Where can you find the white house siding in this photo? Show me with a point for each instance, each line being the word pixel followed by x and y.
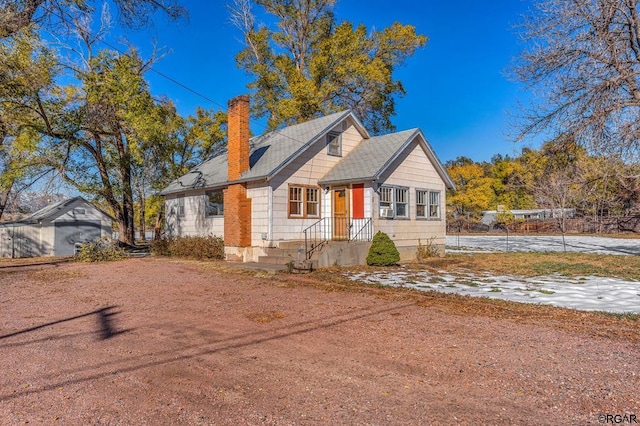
pixel 415 171
pixel 260 214
pixel 21 240
pixel 312 165
pixel 39 239
pixel 194 221
pixel 47 236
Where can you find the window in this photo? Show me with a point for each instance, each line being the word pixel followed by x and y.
pixel 313 202
pixel 334 144
pixel 386 197
pixel 304 201
pixel 396 198
pixel 402 200
pixel 180 205
pixel 434 205
pixel 421 203
pixel 215 203
pixel 79 210
pixel 428 204
pixel 295 201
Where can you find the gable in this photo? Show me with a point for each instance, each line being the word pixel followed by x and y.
pixel 373 158
pixel 54 211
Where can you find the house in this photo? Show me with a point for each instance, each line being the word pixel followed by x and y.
pixel 55 230
pixel 489 217
pixel 318 189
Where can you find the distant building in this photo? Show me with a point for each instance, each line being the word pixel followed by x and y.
pixel 489 217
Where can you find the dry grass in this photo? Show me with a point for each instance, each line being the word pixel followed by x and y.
pixel 536 264
pixel 263 317
pixel 6 262
pixel 600 324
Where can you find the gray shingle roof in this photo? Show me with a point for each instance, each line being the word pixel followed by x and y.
pixel 373 156
pixel 369 158
pixel 51 211
pixel 268 154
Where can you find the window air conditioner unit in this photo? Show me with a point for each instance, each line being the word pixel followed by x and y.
pixel 387 213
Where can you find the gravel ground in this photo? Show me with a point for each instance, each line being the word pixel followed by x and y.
pixel 151 341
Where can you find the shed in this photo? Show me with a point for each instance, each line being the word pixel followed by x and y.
pixel 56 230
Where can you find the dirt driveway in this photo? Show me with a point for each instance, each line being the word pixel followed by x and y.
pixel 152 341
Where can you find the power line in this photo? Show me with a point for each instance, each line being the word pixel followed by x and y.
pixel 165 76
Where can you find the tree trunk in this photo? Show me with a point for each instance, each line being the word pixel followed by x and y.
pixel 141 207
pixel 157 230
pixel 141 222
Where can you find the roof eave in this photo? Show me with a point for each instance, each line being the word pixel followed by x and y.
pixel 347 181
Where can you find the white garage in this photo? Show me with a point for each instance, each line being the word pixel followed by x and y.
pixel 55 230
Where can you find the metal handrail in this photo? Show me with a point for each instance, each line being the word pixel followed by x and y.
pixel 366 231
pixel 315 237
pixel 322 231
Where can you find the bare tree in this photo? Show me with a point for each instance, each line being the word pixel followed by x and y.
pixel 559 181
pixel 583 60
pixel 16 15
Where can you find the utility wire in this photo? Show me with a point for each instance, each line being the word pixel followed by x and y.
pixel 167 77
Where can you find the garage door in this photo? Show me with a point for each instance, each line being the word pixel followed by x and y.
pixel 68 234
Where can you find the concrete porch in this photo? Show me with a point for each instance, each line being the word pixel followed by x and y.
pixel 329 253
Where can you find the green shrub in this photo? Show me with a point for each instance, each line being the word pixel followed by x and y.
pixel 383 251
pixel 101 250
pixel 200 248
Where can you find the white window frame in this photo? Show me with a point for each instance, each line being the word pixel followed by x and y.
pixel 311 202
pixel 180 205
pixel 334 144
pixel 425 198
pixel 386 197
pixel 401 197
pixel 422 200
pixel 305 201
pixel 298 191
pixel 434 214
pixel 390 196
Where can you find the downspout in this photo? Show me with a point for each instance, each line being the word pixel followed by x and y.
pixel 269 214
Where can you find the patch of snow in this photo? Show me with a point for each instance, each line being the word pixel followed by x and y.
pixel 541 243
pixel 582 293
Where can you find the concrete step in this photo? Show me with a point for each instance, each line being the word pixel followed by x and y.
pixel 258 267
pixel 290 245
pixel 275 260
pixel 274 251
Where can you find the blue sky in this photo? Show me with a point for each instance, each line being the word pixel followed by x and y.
pixel 457 92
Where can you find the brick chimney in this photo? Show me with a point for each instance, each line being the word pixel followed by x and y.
pixel 238 136
pixel 237 207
